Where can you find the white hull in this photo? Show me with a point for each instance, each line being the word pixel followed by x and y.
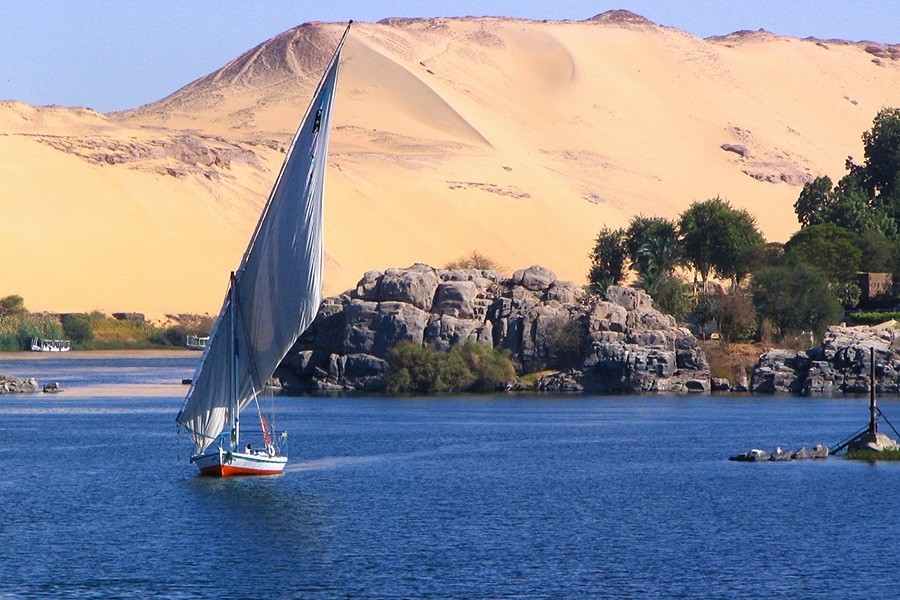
pixel 222 463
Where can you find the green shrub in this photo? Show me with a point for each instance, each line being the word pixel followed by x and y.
pixel 78 329
pixel 872 318
pixel 566 339
pixel 474 260
pixel 489 367
pixel 426 370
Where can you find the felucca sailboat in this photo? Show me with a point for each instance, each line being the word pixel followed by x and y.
pixel 272 298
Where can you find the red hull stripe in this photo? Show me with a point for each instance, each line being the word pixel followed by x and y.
pixel 230 471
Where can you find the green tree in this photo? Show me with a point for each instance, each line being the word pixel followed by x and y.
pixel 829 248
pixel 671 295
pixel 769 254
pixel 868 196
pixel 658 257
pixel 12 305
pixel 795 298
pixel 879 254
pixel 815 196
pixel 644 232
pixel 607 260
pixel 882 155
pixel 852 209
pixel 717 238
pixel 735 316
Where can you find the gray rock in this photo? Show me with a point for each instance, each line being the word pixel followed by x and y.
pixel 368 287
pixel 820 451
pixel 779 455
pixel 569 381
pixel 719 384
pixel 754 455
pixel 738 149
pixel 564 292
pixel 456 298
pixel 629 298
pixel 535 278
pixel 696 385
pixel 801 454
pixel 415 285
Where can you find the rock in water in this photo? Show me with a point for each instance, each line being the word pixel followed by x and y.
pixel 753 455
pixel 619 344
pixel 780 455
pixel 877 442
pixel 801 454
pixel 15 385
pixel 820 451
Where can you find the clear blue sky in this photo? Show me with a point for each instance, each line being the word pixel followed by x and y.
pixel 117 54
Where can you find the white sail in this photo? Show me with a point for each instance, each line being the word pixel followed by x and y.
pixel 278 287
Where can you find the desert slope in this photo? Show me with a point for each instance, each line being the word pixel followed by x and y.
pixel 517 138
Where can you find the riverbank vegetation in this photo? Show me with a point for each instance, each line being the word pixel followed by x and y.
pixel 469 367
pixel 767 291
pixel 95 330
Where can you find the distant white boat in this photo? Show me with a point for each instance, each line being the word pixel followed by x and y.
pixel 195 342
pixel 273 297
pixel 42 345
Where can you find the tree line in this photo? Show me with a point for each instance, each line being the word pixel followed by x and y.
pixel 803 285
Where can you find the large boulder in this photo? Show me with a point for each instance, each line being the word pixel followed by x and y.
pixel 456 298
pixel 415 285
pixel 535 278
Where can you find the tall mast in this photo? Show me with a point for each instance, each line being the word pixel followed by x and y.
pixel 235 409
pixel 873 409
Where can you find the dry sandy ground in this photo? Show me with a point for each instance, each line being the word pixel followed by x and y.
pixel 518 139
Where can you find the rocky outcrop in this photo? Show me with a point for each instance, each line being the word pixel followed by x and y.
pixel 778 455
pixel 840 364
pixel 15 385
pixel 621 343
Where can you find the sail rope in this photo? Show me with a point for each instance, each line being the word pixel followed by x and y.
pixel 262 422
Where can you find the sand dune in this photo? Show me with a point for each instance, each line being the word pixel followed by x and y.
pixel 520 139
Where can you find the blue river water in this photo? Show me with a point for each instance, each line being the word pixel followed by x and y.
pixel 449 497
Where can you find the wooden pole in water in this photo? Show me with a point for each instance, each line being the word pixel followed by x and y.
pixel 873 418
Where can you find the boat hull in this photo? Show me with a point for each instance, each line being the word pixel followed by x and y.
pixel 223 463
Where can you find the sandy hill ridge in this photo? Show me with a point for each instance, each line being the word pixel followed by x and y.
pixel 520 139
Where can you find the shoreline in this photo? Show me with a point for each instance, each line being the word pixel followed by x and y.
pixel 86 354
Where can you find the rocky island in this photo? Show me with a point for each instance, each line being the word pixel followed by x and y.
pixel 621 343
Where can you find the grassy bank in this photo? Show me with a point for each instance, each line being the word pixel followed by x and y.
pixel 96 330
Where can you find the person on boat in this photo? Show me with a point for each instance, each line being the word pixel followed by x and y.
pixel 249 448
